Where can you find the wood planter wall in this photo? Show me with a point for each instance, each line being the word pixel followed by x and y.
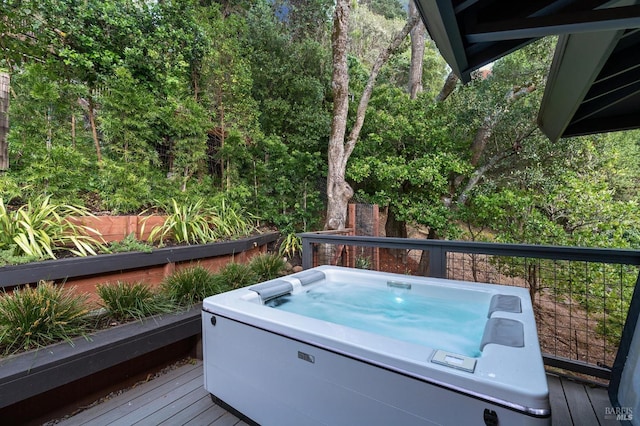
pixel 85 272
pixel 36 382
pixel 40 381
pixel 116 228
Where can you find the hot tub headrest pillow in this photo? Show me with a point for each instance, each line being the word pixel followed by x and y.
pixel 270 289
pixel 309 277
pixel 504 303
pixel 503 331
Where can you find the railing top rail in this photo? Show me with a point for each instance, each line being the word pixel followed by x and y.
pixel 598 255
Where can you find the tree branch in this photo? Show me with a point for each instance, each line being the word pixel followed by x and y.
pixel 493 161
pixel 448 87
pixel 368 89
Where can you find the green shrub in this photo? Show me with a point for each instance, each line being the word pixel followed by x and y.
pixel 124 187
pixel 230 222
pixel 196 223
pixel 290 246
pixel 131 301
pixel 267 266
pixel 33 317
pixel 129 243
pixel 40 228
pixel 190 285
pixel 363 262
pixel 9 257
pixel 188 223
pixel 235 275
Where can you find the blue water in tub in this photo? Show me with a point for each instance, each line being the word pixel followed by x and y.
pixel 450 324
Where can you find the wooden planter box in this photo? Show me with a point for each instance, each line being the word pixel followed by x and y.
pixel 37 382
pixel 116 228
pixel 85 272
pixel 25 376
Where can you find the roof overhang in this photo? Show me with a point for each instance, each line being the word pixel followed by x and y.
pixel 593 84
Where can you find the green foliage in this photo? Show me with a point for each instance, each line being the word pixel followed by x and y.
pixel 36 317
pixel 131 301
pixel 235 275
pixel 129 243
pixel 49 173
pixel 128 112
pixel 188 286
pixel 229 221
pixel 41 228
pixel 8 257
pixel 390 9
pixel 187 223
pixel 125 188
pixel 9 188
pixel 290 177
pixel 363 262
pixel 186 124
pixel 370 33
pixel 405 161
pixel 290 245
pixel 196 223
pixel 267 266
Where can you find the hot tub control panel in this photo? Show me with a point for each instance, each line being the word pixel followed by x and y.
pixel 457 361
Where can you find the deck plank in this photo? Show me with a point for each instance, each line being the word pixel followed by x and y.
pixel 600 402
pixel 227 419
pixel 582 413
pixel 560 415
pixel 191 412
pixel 160 404
pixel 179 398
pixel 128 401
pixel 207 417
pixel 158 412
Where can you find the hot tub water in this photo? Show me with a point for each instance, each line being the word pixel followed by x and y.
pixel 448 323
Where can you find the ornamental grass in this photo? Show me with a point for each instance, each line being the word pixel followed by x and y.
pixel 32 317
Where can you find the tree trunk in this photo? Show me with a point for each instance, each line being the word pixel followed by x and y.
pixel 425 260
pixel 417 52
pixel 73 129
pixel 5 82
pixel 479 172
pixel 396 228
pixel 94 130
pixel 447 88
pixel 339 192
pixel 479 143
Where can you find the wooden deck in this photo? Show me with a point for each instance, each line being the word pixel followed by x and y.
pixel 175 398
pixel 179 398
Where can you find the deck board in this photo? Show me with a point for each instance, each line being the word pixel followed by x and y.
pixel 186 415
pixel 600 402
pixel 179 398
pixel 559 408
pixel 581 413
pixel 152 391
pixel 207 417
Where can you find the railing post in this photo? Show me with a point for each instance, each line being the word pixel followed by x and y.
pixel 437 262
pixel 307 253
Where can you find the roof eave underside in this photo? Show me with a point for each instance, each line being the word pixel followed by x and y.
pixel 473 33
pixel 593 85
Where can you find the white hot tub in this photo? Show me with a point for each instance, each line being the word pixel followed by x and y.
pixel 341 346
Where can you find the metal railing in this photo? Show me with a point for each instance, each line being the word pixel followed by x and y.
pixel 581 295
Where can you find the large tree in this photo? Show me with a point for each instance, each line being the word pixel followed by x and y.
pixel 4 120
pixel 339 192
